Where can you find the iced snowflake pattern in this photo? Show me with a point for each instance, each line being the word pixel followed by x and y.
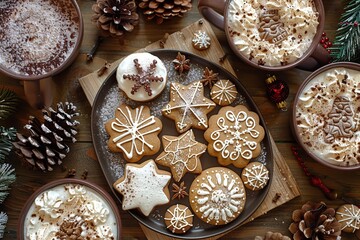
pixel 201 40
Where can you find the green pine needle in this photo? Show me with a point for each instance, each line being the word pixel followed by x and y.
pixel 346 46
pixel 3 222
pixel 8 103
pixel 7 177
pixel 6 138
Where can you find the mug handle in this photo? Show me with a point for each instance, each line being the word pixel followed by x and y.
pixel 318 58
pixel 213 11
pixel 39 92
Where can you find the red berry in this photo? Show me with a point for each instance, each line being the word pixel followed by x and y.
pixel 329 44
pixel 323 34
pixel 322 41
pixel 329 51
pixel 356 24
pixel 326 39
pixel 325 45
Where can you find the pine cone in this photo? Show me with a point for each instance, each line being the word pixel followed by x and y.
pixel 315 221
pixel 272 236
pixel 164 9
pixel 115 17
pixel 46 145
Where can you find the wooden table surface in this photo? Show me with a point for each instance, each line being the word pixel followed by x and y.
pixel 82 156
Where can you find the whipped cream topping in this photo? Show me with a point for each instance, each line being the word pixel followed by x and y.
pixel 328 117
pixel 70 209
pixel 272 33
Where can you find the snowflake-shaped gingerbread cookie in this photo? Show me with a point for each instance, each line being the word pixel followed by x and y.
pixel 134 132
pixel 234 136
pixel 201 40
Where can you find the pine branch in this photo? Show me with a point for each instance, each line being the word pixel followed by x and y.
pixel 3 222
pixel 7 177
pixel 8 103
pixel 6 138
pixel 346 46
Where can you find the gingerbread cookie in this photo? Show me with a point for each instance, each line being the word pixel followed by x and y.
pixel 201 40
pixel 178 219
pixel 143 186
pixel 188 106
pixel 223 92
pixel 348 215
pixel 142 76
pixel 134 132
pixel 255 176
pixel 234 136
pixel 217 196
pixel 181 154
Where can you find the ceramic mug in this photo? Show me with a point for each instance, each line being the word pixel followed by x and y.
pixel 263 32
pixel 39 39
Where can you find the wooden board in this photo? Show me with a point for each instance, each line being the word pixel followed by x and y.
pixel 283 183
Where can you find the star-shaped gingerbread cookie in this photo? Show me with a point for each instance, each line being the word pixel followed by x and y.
pixel 143 186
pixel 188 107
pixel 134 132
pixel 181 154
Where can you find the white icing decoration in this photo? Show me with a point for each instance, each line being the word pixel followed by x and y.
pixel 188 105
pixel 257 176
pixel 178 220
pixel 201 39
pixel 130 131
pixel 227 92
pixel 222 201
pixel 182 154
pixel 143 187
pixel 351 217
pixel 76 194
pixel 236 135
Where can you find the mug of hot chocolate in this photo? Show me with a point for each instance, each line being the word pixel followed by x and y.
pixel 271 35
pixel 326 116
pixel 38 39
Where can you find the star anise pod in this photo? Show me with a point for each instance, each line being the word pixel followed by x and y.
pixel 181 63
pixel 179 191
pixel 209 77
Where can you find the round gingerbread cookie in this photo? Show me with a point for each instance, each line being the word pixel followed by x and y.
pixel 234 136
pixel 223 92
pixel 348 215
pixel 142 76
pixel 217 196
pixel 201 40
pixel 255 176
pixel 178 219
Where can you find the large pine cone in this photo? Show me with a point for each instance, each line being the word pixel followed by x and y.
pixel 164 9
pixel 315 221
pixel 46 145
pixel 115 17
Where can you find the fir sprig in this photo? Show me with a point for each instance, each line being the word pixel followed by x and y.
pixel 3 221
pixel 8 103
pixel 346 46
pixel 6 138
pixel 7 177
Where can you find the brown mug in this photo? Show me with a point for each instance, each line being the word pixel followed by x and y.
pixel 30 51
pixel 217 12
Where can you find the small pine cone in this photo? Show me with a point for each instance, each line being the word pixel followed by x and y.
pixel 164 9
pixel 46 145
pixel 115 17
pixel 315 221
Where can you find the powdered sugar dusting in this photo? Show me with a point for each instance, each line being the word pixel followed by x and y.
pixel 36 36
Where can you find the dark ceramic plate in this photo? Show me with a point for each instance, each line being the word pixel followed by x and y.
pixel 109 98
